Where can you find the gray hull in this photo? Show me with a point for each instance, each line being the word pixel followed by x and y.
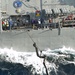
pixel 22 40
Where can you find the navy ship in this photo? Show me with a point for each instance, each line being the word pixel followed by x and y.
pixel 45 46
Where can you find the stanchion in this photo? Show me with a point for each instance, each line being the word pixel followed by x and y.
pixel 59 29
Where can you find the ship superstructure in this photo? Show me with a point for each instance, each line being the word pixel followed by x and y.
pixel 32 5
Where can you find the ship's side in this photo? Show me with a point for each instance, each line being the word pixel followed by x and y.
pixel 23 39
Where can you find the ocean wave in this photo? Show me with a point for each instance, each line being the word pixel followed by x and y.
pixel 58 61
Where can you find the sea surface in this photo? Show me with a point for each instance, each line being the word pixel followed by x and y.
pixel 58 62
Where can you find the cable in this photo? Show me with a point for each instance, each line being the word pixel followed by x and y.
pixel 30 37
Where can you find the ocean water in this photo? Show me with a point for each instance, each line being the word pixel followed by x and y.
pixel 58 62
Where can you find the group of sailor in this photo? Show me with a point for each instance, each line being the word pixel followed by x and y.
pixel 7 24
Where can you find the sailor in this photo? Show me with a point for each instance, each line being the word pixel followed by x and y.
pixel 3 25
pixel 18 22
pixel 50 23
pixel 50 20
pixel 5 22
pixel 39 23
pixel 10 23
pixel 7 25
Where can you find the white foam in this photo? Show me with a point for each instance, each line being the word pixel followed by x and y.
pixel 28 58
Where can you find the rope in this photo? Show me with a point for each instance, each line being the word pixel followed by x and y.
pixel 30 37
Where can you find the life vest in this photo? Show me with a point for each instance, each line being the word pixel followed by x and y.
pixel 3 23
pixel 7 24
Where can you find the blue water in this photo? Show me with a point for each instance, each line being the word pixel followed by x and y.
pixel 58 62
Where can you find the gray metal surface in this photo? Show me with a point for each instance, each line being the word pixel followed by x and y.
pixel 29 7
pixel 20 40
